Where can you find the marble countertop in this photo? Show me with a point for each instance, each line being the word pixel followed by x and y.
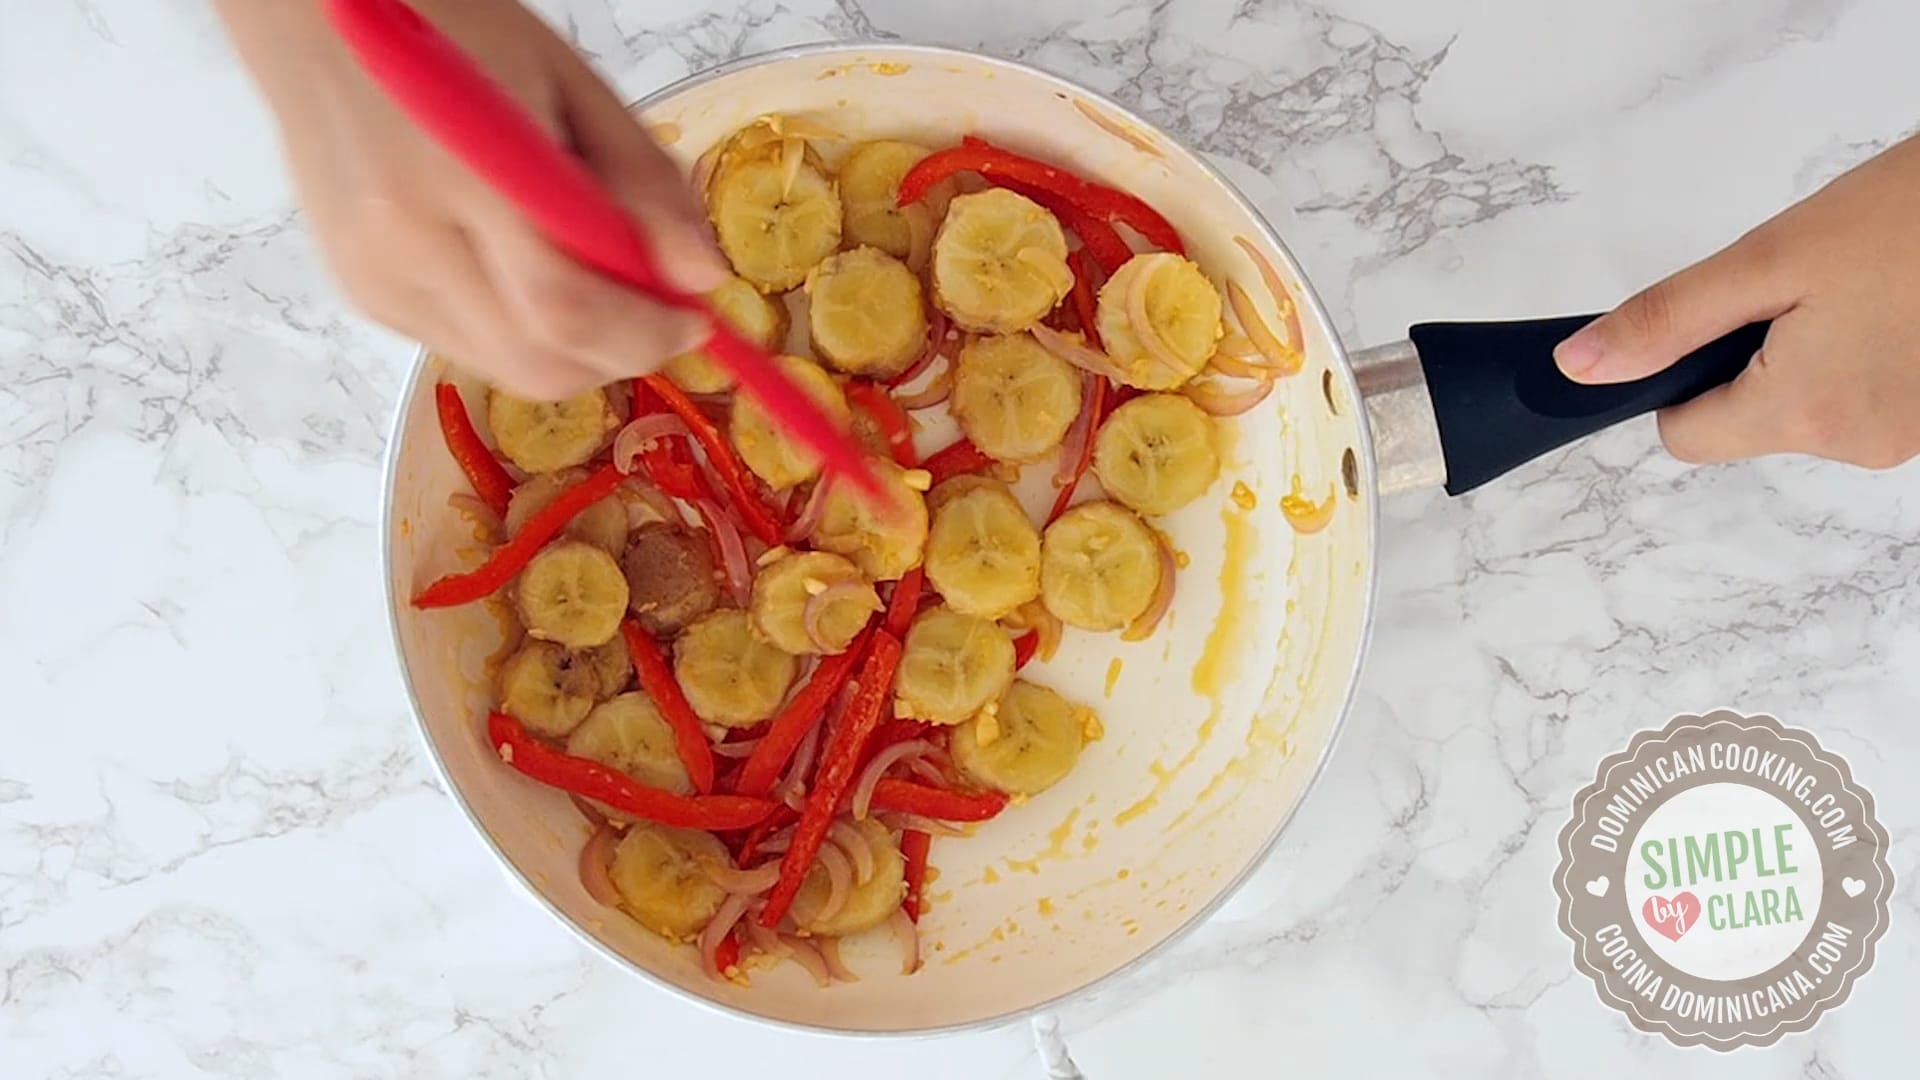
pixel 221 853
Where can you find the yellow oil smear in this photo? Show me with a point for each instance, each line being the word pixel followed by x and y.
pixel 1113 674
pixel 1219 661
pixel 998 936
pixel 1045 906
pixel 1181 560
pixel 1056 846
pixel 666 134
pixel 1121 131
pixel 1243 496
pixel 989 876
pixel 510 634
pixel 940 897
pixel 889 68
pixel 406 528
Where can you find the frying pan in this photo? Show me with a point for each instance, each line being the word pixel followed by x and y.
pixel 1215 727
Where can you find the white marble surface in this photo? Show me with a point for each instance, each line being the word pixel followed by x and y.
pixel 220 853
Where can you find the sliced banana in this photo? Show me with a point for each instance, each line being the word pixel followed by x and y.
pixel 883 541
pixel 948 490
pixel 866 905
pixel 1184 309
pixel 659 874
pixel 729 675
pixel 572 592
pixel 866 313
pixel 774 222
pixel 765 447
pixel 612 666
pixel 1156 453
pixel 999 262
pixel 1039 735
pixel 983 553
pixel 546 436
pixel 870 193
pixel 548 688
pixel 1099 566
pixel 758 318
pixel 604 524
pixel 952 666
pixel 628 733
pixel 1014 399
pixel 783 589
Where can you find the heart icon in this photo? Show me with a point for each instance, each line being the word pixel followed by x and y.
pixel 1672 917
pixel 1598 886
pixel 1853 886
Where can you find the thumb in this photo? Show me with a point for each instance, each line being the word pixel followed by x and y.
pixel 641 176
pixel 1660 324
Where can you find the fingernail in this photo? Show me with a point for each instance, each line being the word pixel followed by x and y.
pixel 1579 354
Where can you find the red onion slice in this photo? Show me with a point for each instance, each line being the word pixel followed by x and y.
pixel 1142 627
pixel 935 392
pixel 908 934
pixel 854 843
pixel 926 770
pixel 1279 356
pixel 735 880
pixel 639 495
pixel 902 822
pixel 1075 444
pixel 743 748
pixel 794 783
pixel 639 432
pixel 1216 401
pixel 1076 352
pixel 919 235
pixel 1239 368
pixel 793 154
pixel 764 939
pixel 1046 624
pixel 882 761
pixel 589 811
pixel 1141 323
pixel 733 551
pixel 596 857
pixel 777 843
pixel 816 610
pixel 717 930
pixel 830 952
pixel 803 525
pixel 802 952
pixel 839 881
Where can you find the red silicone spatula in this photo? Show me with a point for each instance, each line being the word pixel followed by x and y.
pixel 454 101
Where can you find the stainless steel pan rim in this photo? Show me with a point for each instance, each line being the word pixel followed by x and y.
pixel 1342 372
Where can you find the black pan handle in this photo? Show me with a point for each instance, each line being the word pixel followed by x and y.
pixel 1500 401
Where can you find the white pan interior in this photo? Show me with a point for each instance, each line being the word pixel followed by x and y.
pixel 1214 727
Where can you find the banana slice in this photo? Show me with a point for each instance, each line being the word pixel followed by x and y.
pixel 783 589
pixel 1039 738
pixel 546 436
pixel 729 675
pixel 1014 399
pixel 870 193
pixel 1156 453
pixel 604 524
pixel 548 688
pixel 658 873
pixel 760 319
pixel 765 448
pixel 866 313
pixel 999 262
pixel 983 553
pixel 865 906
pixel 612 666
pixel 884 542
pixel 1099 566
pixel 573 593
pixel 628 733
pixel 773 222
pixel 1184 309
pixel 952 666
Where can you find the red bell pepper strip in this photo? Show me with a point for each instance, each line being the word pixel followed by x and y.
pixel 905 601
pixel 511 557
pixel 913 848
pixel 937 803
pixel 727 955
pixel 1082 295
pixel 593 780
pixel 1001 165
pixel 489 478
pixel 805 710
pixel 756 836
pixel 956 460
pixel 836 773
pixel 889 417
pixel 745 496
pixel 1024 648
pixel 656 678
